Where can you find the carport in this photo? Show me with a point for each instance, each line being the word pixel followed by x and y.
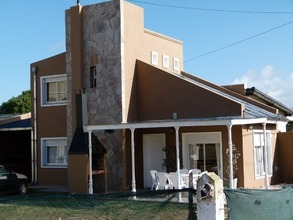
pixel 16 138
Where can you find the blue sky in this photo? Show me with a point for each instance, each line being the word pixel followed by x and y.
pixel 225 41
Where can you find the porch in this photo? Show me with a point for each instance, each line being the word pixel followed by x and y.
pixel 177 125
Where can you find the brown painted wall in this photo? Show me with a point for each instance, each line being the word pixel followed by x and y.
pixel 285 155
pixel 78 173
pixel 171 142
pixel 160 94
pixel 51 121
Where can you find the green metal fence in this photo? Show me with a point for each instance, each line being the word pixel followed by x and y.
pixel 165 204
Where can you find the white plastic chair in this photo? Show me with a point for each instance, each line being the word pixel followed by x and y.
pixel 155 184
pixel 196 174
pixel 163 180
pixel 195 171
pixel 183 171
pixel 174 179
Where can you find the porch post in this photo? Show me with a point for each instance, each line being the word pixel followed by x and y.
pixel 265 156
pixel 230 145
pixel 90 164
pixel 133 160
pixel 177 156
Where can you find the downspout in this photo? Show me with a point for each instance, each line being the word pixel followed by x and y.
pixel 34 151
pixel 265 156
pixel 230 145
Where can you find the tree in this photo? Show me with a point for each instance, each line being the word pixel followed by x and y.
pixel 17 105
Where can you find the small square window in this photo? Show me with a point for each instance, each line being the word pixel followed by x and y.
pixel 154 58
pixel 176 64
pixel 93 76
pixel 165 61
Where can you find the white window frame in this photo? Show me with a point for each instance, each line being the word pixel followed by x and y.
pixel 165 61
pixel 56 142
pixel 258 141
pixel 175 64
pixel 44 94
pixel 202 138
pixel 154 58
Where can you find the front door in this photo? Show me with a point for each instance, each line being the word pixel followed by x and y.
pixel 153 156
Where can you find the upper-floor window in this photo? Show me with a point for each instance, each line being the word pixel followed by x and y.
pixel 176 64
pixel 53 90
pixel 165 61
pixel 154 58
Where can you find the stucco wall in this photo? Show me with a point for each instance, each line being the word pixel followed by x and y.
pixel 51 121
pixel 285 154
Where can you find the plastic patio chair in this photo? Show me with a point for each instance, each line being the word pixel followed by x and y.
pixel 183 171
pixel 174 179
pixel 163 180
pixel 196 173
pixel 155 184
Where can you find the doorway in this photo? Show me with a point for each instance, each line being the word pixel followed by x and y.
pixel 153 156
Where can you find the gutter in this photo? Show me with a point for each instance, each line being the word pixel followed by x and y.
pixel 272 101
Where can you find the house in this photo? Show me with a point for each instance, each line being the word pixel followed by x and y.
pixel 117 103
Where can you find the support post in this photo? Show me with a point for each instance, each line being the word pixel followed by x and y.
pixel 265 156
pixel 177 156
pixel 133 160
pixel 91 191
pixel 230 145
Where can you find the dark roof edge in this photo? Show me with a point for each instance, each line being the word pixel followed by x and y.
pixel 274 102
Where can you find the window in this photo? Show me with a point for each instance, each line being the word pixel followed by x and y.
pixel 154 58
pixel 259 154
pixel 176 64
pixel 165 61
pixel 54 90
pixel 202 151
pixel 93 76
pixel 54 152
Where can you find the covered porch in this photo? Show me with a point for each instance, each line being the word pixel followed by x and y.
pixel 176 124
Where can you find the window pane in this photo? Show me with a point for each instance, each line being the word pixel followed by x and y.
pixel 56 155
pixel 193 156
pixel 62 91
pixel 52 92
pixel 56 91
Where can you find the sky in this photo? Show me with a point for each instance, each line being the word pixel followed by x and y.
pixel 224 41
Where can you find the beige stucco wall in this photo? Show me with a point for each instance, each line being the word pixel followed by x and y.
pixel 137 44
pixel 250 180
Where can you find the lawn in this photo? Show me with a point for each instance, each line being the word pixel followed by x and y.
pixel 151 205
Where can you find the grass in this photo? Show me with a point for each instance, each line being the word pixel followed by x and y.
pixel 44 205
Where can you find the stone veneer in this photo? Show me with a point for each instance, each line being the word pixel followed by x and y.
pixel 102 48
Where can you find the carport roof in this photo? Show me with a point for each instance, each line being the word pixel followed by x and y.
pixel 15 122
